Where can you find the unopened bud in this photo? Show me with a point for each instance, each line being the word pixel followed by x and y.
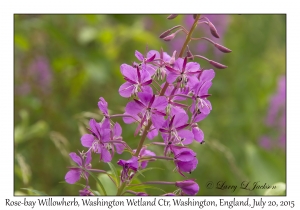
pixel 164 34
pixel 170 37
pixel 213 30
pixel 167 32
pixel 217 65
pixel 170 17
pixel 222 48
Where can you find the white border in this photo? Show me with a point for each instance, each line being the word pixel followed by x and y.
pixel 8 8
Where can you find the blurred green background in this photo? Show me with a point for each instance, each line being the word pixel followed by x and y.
pixel 64 63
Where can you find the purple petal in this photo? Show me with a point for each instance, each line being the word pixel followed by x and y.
pixel 171 77
pixel 117 130
pixel 76 158
pixel 151 58
pixel 95 127
pixel 153 52
pixel 133 163
pixel 144 164
pixel 139 55
pixel 160 103
pixel 145 97
pixel 129 120
pixel 157 120
pixel 149 68
pixel 204 88
pixel 172 70
pixel 175 110
pixel 192 67
pixel 148 82
pixel 187 135
pixel 180 119
pixel 73 176
pixel 184 154
pixel 207 75
pixel 126 89
pixel 192 81
pixel 129 72
pixel 105 124
pixel 178 64
pixel 148 153
pixel 119 147
pixel 199 117
pixel 188 166
pixel 134 107
pixel 152 134
pixel 198 134
pixel 145 76
pixel 105 135
pixel 102 104
pixel 87 140
pixel 105 155
pixel 189 187
pixel 88 158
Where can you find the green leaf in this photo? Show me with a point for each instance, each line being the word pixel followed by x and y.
pixel 276 189
pixel 108 184
pixel 140 172
pixel 81 185
pixel 34 191
pixel 97 180
pixel 115 173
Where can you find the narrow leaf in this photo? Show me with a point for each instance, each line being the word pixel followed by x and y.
pixel 115 173
pixel 34 191
pixel 97 180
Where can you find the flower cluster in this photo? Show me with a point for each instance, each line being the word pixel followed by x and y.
pixel 168 95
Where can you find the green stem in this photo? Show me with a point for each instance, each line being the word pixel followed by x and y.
pixel 189 36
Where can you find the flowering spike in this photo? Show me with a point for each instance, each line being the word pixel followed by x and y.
pixel 217 65
pixel 170 17
pixel 222 48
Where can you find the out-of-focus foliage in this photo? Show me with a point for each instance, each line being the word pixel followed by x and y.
pixel 64 63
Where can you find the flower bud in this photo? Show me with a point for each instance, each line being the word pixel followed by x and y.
pixel 170 37
pixel 170 17
pixel 213 30
pixel 222 48
pixel 164 34
pixel 217 65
